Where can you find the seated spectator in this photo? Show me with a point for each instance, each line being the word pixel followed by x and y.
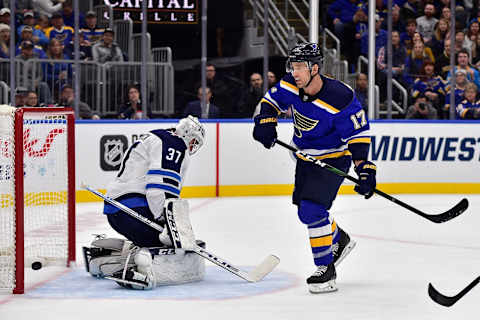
pixel 399 56
pixel 32 100
pixel 252 96
pixel 132 109
pixel 442 63
pixel 421 109
pixel 460 43
pixel 221 93
pixel 272 79
pixel 27 35
pixel 439 35
pixel 69 16
pixel 341 12
pixel 4 41
pixel 414 63
pixel 462 63
pixel 194 108
pixel 5 16
pixel 470 107
pixel 31 72
pixel 426 23
pixel 38 36
pixel 47 7
pixel 406 38
pixel 446 13
pixel 430 85
pixel 107 50
pixel 61 32
pixel 56 73
pixel 397 22
pixel 460 86
pixel 43 24
pixel 20 96
pixel 471 38
pixel 361 90
pixel 67 99
pixel 92 34
pixel 380 38
pixel 417 37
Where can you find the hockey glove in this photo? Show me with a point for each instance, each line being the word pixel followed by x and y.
pixel 264 130
pixel 366 176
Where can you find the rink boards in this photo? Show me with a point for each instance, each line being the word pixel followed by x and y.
pixel 411 156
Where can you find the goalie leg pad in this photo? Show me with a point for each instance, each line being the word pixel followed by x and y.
pixel 106 256
pixel 179 225
pixel 178 266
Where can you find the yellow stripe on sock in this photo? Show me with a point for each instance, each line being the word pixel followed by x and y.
pixel 322 241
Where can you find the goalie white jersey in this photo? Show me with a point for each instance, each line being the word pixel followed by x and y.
pixel 154 167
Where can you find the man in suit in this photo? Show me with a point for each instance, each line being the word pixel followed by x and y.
pixel 194 108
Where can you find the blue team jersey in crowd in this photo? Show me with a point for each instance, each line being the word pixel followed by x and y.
pixel 466 109
pixel 329 124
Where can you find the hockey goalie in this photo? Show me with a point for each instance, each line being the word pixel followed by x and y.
pixel 149 182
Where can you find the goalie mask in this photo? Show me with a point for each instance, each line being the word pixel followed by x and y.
pixel 309 52
pixel 192 132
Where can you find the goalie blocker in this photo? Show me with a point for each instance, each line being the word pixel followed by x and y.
pixel 144 268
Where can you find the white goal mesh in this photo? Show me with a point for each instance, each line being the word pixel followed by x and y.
pixel 42 193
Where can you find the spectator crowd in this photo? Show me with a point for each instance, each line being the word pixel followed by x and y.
pixel 420 51
pixel 420 56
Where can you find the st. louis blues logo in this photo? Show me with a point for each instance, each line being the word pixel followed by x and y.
pixel 302 123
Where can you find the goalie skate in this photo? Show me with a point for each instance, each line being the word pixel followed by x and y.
pixel 132 280
pixel 323 279
pixel 342 248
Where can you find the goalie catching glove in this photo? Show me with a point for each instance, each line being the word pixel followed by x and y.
pixel 367 178
pixel 264 130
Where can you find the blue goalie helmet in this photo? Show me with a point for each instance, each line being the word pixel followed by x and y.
pixel 308 52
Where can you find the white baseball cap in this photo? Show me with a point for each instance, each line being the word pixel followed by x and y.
pixel 4 11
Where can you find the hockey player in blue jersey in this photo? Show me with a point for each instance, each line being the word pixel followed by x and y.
pixel 152 172
pixel 330 125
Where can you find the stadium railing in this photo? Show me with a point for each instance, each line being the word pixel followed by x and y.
pixel 102 86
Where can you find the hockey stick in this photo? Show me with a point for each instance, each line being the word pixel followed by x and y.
pixel 457 210
pixel 450 301
pixel 257 274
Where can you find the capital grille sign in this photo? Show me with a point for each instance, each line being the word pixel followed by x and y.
pixel 158 11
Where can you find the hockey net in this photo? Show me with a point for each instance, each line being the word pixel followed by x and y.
pixel 37 191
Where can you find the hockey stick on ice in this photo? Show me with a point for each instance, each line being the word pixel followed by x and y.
pixel 257 274
pixel 457 210
pixel 450 301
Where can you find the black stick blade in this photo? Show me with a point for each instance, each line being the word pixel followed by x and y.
pixel 440 298
pixel 450 214
pixel 449 301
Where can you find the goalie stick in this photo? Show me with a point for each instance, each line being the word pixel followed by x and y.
pixel 449 301
pixel 457 210
pixel 257 274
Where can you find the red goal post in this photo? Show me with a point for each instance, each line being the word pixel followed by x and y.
pixel 37 191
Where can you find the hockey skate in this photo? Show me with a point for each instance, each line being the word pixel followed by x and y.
pixel 131 279
pixel 323 279
pixel 342 248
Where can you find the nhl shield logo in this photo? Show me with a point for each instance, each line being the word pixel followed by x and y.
pixel 112 149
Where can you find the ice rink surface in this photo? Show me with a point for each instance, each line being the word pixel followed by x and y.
pixel 386 276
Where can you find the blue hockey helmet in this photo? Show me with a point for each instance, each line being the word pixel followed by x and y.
pixel 308 52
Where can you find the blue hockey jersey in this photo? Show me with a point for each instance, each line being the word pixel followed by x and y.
pixel 330 124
